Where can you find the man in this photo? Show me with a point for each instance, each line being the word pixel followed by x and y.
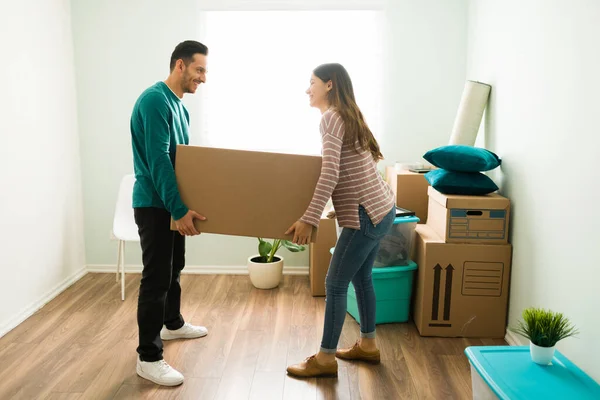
pixel 159 122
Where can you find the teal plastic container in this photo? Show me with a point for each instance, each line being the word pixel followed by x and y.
pixel 508 373
pixel 393 291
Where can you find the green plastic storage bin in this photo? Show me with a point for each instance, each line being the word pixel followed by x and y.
pixel 393 291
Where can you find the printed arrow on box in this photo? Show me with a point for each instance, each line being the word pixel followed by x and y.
pixel 448 292
pixel 436 292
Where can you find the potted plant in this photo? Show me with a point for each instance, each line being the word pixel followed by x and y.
pixel 266 268
pixel 544 329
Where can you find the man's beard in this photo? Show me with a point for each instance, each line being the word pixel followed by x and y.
pixel 187 82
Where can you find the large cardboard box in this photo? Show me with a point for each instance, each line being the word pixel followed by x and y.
pixel 461 289
pixel 246 193
pixel 410 189
pixel 320 255
pixel 469 219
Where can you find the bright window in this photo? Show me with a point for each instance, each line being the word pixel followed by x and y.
pixel 260 64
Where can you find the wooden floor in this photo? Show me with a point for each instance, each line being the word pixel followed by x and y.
pixel 82 346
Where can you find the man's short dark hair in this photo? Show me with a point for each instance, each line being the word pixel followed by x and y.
pixel 186 50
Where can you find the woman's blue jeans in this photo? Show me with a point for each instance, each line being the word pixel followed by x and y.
pixel 353 260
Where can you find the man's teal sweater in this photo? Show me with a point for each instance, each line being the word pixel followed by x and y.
pixel 159 122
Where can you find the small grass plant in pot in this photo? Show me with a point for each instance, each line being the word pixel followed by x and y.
pixel 266 268
pixel 543 328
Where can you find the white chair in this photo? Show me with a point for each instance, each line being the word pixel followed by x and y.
pixel 124 226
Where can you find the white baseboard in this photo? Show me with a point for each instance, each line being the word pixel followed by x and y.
pixel 195 269
pixel 44 299
pixel 512 339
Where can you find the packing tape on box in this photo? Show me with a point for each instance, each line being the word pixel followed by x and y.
pixel 470 112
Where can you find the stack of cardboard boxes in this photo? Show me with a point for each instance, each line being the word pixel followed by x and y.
pixel 463 256
pixel 464 262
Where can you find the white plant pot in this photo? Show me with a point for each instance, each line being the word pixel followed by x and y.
pixel 265 275
pixel 541 355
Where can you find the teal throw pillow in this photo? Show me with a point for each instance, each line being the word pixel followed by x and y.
pixel 465 183
pixel 463 158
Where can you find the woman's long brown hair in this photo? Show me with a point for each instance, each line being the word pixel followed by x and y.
pixel 341 98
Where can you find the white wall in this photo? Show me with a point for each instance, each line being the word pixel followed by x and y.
pixel 123 47
pixel 41 240
pixel 542 59
pixel 425 75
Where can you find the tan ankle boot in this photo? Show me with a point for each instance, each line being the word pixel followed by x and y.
pixel 356 353
pixel 310 368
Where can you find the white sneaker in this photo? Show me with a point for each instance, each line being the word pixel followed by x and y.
pixel 159 372
pixel 187 331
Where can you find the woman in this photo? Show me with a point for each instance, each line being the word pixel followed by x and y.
pixel 365 209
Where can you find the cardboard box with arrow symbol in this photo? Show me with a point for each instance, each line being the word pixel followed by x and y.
pixel 461 289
